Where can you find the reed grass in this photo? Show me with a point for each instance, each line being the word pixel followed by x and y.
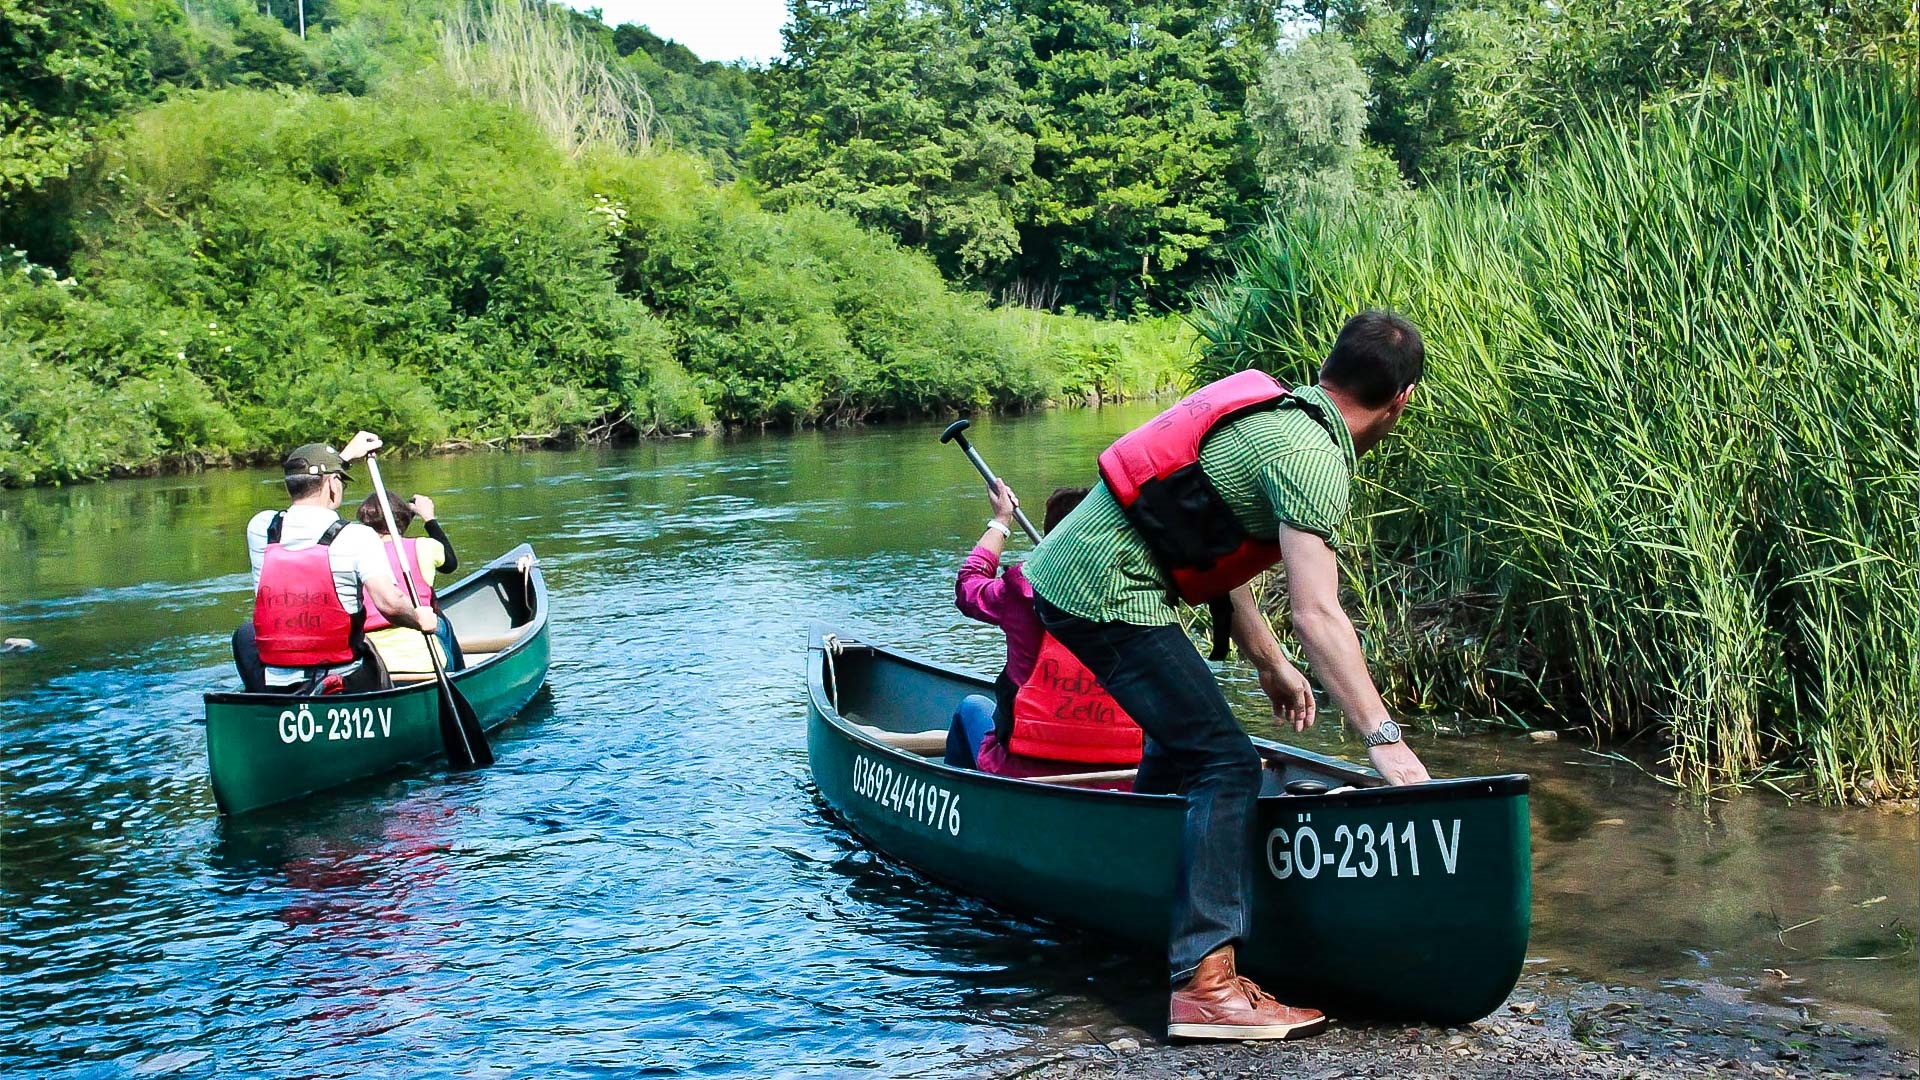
pixel 1664 468
pixel 526 53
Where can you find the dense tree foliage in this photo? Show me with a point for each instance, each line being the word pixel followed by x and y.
pixel 1160 130
pixel 448 255
pixel 1069 151
pixel 65 67
pixel 907 116
pixel 1477 86
pixel 704 105
pixel 1135 160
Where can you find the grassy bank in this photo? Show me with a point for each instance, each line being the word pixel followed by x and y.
pixel 251 267
pixel 1664 467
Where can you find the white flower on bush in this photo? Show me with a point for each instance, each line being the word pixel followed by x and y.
pixel 610 213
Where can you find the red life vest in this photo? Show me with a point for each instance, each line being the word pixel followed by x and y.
pixel 298 620
pixel 1154 472
pixel 1062 713
pixel 377 621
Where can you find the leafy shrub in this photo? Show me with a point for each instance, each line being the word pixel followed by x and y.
pixel 254 269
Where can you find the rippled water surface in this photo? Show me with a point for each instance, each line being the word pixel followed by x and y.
pixel 644 883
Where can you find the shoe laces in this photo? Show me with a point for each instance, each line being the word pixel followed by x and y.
pixel 1255 995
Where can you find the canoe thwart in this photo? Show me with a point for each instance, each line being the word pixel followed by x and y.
pixel 490 643
pixel 924 743
pixel 1110 776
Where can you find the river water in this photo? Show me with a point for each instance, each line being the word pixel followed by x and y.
pixel 645 883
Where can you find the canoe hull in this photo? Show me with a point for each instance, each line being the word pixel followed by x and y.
pixel 264 749
pixel 1390 903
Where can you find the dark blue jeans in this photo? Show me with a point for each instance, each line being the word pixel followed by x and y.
pixel 971 723
pixel 1194 745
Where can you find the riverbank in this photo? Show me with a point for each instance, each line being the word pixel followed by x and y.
pixel 1551 1027
pixel 245 267
pixel 616 433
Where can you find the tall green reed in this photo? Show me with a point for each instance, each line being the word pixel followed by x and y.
pixel 1664 468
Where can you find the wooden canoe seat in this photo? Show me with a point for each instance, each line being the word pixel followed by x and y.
pixel 1111 776
pixel 924 743
pixel 402 678
pixel 488 643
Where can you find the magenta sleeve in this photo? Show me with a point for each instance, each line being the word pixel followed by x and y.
pixel 979 592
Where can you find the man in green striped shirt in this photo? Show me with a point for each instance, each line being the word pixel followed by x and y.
pixel 1107 593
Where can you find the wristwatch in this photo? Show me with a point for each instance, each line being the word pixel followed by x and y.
pixel 1387 732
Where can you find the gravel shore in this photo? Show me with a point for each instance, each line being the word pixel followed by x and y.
pixel 1550 1028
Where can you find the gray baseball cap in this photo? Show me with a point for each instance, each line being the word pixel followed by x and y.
pixel 316 459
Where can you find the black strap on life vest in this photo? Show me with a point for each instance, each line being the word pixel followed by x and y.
pixel 279 519
pixel 1222 612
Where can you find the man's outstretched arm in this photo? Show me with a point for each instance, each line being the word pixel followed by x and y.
pixel 1291 694
pixel 1327 637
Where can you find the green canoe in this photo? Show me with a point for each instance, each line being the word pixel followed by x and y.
pixel 1406 903
pixel 268 748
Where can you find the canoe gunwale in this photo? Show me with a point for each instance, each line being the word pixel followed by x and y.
pixel 1500 786
pixel 529 631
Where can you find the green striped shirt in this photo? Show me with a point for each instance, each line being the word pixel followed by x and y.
pixel 1272 467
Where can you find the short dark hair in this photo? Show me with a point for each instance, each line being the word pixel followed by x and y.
pixel 1060 504
pixel 1377 355
pixel 301 485
pixel 370 516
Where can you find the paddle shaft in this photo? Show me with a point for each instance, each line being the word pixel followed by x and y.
pixel 413 597
pixel 993 482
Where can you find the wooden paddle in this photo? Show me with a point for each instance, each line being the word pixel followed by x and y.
pixel 957 431
pixel 460 728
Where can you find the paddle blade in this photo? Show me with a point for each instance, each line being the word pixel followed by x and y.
pixel 460 729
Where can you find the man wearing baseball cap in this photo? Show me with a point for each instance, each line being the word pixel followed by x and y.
pixel 309 571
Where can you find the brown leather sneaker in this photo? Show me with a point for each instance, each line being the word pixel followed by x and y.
pixel 1218 1004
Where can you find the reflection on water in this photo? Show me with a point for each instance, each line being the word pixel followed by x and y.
pixel 645 883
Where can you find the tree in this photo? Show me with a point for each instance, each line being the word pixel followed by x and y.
pixel 1309 118
pixel 1420 57
pixel 1137 137
pixel 705 106
pixel 1475 87
pixel 906 115
pixel 65 67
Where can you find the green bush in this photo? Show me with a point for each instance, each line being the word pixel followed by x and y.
pixel 254 268
pixel 1664 461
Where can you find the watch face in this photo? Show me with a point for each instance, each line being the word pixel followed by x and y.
pixel 1387 732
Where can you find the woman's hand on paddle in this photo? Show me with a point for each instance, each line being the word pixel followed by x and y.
pixel 1005 502
pixel 422 507
pixel 1398 764
pixel 1291 694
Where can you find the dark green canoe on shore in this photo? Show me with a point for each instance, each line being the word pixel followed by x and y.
pixel 264 749
pixel 1408 903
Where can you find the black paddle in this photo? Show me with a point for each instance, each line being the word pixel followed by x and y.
pixel 957 431
pixel 459 727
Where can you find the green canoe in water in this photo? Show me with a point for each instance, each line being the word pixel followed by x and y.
pixel 1406 903
pixel 264 749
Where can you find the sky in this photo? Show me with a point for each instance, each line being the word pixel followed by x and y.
pixel 713 29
